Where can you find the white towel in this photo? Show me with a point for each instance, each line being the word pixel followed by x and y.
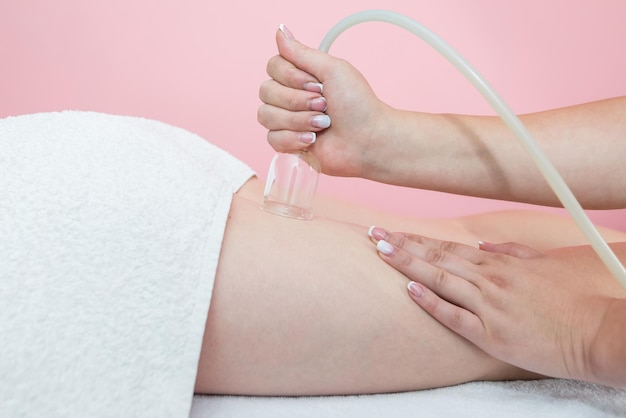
pixel 550 398
pixel 110 232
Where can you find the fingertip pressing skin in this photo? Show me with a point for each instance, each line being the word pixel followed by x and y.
pixel 321 121
pixel 307 138
pixel 314 87
pixel 384 247
pixel 318 104
pixel 415 290
pixel 377 233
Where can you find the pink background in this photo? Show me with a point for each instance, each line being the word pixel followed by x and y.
pixel 198 65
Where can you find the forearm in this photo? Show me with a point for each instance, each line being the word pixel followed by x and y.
pixel 480 156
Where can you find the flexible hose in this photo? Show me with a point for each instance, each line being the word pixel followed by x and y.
pixel 552 176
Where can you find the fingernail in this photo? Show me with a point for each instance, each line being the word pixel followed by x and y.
pixel 384 247
pixel 318 104
pixel 415 289
pixel 285 31
pixel 377 233
pixel 308 137
pixel 314 87
pixel 321 121
pixel 484 244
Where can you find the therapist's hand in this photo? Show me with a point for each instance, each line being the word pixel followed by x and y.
pixel 539 311
pixel 311 92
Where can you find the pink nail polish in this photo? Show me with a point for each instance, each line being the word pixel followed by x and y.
pixel 286 31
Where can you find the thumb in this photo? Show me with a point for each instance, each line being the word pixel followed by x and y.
pixel 510 248
pixel 310 60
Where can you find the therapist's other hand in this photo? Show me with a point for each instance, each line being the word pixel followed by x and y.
pixel 320 102
pixel 538 311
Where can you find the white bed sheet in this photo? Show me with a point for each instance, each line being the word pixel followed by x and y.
pixel 539 398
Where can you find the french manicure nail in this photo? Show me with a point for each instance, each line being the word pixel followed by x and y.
pixel 377 233
pixel 308 137
pixel 285 31
pixel 318 104
pixel 415 289
pixel 314 87
pixel 384 247
pixel 321 121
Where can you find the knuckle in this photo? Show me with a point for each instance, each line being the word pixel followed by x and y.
pixel 293 102
pixel 435 256
pixel 294 78
pixel 397 239
pixel 272 64
pixel 263 116
pixel 264 89
pixel 496 279
pixel 259 115
pixel 294 121
pixel 456 321
pixel 343 65
pixel 277 140
pixel 440 279
pixel 448 246
pixel 403 260
pixel 418 239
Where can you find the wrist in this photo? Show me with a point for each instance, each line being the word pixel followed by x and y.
pixel 606 361
pixel 395 148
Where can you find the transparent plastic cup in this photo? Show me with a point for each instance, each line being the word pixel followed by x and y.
pixel 291 184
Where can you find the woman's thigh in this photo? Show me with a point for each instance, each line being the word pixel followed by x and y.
pixel 306 308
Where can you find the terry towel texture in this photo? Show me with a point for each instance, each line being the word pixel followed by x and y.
pixel 110 233
pixel 549 398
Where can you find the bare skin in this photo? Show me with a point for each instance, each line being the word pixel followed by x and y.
pixel 543 308
pixel 555 312
pixel 461 154
pixel 307 308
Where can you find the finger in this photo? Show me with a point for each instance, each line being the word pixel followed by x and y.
pixel 510 248
pixel 287 74
pixel 434 250
pixel 457 319
pixel 311 60
pixel 273 93
pixel 285 141
pixel 457 258
pixel 276 119
pixel 377 233
pixel 440 280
